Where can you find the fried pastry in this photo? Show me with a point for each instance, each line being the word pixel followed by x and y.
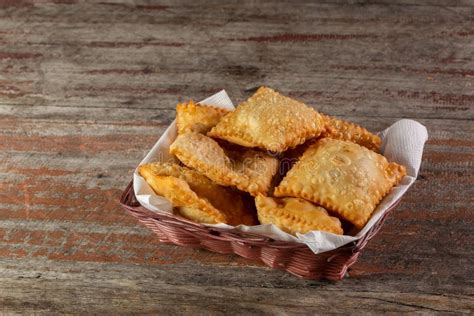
pixel 294 215
pixel 256 169
pixel 343 177
pixel 270 121
pixel 343 130
pixel 194 196
pixel 193 117
pixel 248 170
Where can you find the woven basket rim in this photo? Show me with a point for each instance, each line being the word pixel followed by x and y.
pixel 129 202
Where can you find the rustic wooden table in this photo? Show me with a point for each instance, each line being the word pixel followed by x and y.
pixel 86 90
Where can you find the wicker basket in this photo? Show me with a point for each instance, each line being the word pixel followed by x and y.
pixel 292 257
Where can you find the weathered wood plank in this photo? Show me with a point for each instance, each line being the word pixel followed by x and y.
pixel 49 286
pixel 82 66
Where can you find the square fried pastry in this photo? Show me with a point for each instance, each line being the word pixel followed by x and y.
pixel 343 177
pixel 343 130
pixel 294 215
pixel 194 196
pixel 249 170
pixel 270 121
pixel 194 117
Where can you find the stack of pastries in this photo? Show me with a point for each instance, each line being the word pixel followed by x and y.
pixel 273 160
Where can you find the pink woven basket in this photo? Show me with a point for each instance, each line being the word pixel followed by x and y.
pixel 292 257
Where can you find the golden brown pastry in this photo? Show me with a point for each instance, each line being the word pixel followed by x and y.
pixel 270 121
pixel 256 169
pixel 195 196
pixel 294 215
pixel 193 117
pixel 343 130
pixel 343 177
pixel 249 170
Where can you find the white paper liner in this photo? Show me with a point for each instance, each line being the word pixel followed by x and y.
pixel 402 142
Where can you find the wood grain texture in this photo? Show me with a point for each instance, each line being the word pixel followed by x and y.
pixel 86 89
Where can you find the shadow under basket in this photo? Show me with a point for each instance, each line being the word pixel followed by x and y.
pixel 292 257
